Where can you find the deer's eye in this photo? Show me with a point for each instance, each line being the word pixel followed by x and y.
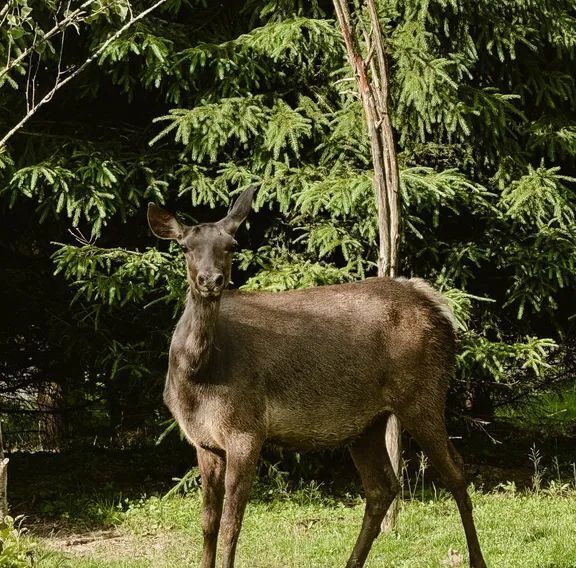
pixel 232 246
pixel 183 247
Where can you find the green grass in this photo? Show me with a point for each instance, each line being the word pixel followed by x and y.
pixel 516 531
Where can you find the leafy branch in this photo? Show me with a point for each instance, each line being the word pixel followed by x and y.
pixel 73 18
pixel 60 82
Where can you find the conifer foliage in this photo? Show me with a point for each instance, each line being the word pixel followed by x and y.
pixel 194 103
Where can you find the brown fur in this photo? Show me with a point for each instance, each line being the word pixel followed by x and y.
pixel 312 368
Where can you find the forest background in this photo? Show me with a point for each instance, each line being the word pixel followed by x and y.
pixel 195 102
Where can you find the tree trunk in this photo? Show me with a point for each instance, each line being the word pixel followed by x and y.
pixel 51 421
pixel 3 480
pixel 371 72
pixel 394 447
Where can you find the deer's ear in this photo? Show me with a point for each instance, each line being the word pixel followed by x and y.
pixel 239 211
pixel 163 224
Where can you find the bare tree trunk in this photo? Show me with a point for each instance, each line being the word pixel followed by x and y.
pixel 3 480
pixel 51 421
pixel 371 72
pixel 394 447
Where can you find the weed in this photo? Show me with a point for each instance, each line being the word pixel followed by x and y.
pixel 509 487
pixel 538 473
pixel 409 487
pixel 17 550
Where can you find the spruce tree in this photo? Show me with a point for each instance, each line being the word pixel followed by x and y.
pixel 193 104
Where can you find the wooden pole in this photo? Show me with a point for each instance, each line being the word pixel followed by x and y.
pixel 372 75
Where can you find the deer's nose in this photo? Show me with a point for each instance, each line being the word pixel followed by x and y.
pixel 210 281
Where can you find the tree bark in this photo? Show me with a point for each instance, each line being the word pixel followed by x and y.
pixel 373 83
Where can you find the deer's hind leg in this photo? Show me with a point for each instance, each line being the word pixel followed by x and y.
pixel 430 433
pixel 380 486
pixel 212 469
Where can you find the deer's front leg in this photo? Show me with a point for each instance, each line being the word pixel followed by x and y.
pixel 212 468
pixel 241 461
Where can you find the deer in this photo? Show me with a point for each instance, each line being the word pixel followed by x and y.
pixel 307 369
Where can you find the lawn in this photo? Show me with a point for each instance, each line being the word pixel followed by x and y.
pixel 83 508
pixel 517 530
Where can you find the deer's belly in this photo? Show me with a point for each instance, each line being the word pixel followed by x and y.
pixel 324 428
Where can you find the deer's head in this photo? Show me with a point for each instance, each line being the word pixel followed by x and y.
pixel 207 247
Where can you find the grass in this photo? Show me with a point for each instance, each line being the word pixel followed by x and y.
pixel 301 524
pixel 517 530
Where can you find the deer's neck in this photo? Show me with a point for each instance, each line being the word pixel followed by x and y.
pixel 196 333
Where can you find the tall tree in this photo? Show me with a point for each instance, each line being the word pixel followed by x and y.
pixel 371 71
